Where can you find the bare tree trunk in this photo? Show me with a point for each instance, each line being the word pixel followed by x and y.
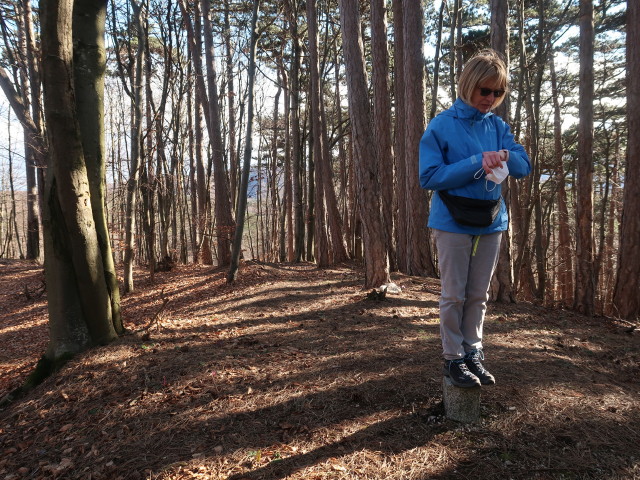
pixel 136 138
pixel 500 43
pixel 242 198
pixel 453 57
pixel 605 202
pixel 420 261
pixel 261 211
pixel 540 237
pixel 33 158
pixel 585 281
pixel 382 121
pixel 296 147
pixel 148 174
pixel 90 60
pixel 521 216
pixel 610 253
pixel 12 223
pixel 565 257
pixel 400 133
pixel 192 116
pixel 320 224
pixel 366 159
pixel 311 196
pixel 222 206
pixel 202 179
pixel 337 242
pixel 343 168
pixel 436 63
pixel 286 240
pixel 626 300
pixel 276 214
pixel 79 304
pixel 231 103
pixel 199 193
pixel 223 218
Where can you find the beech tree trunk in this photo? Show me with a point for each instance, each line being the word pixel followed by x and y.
pixel 79 304
pixel 33 158
pixel 89 64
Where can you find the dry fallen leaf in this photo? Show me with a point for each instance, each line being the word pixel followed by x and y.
pixel 335 464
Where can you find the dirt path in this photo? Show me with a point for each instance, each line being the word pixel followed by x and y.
pixel 293 373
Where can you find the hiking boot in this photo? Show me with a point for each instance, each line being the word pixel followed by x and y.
pixel 459 374
pixel 472 360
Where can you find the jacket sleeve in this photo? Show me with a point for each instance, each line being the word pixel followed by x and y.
pixel 519 164
pixel 437 172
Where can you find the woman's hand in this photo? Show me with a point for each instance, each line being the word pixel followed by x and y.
pixel 491 160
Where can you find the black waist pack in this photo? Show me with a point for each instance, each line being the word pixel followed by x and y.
pixel 471 212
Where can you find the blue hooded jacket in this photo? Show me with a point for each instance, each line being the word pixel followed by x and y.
pixel 451 154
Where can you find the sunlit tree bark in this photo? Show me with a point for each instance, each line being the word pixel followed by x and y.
pixel 224 222
pixel 365 156
pixel 626 299
pixel 244 183
pixel 585 278
pixel 34 159
pixel 565 257
pixel 382 121
pixel 419 257
pixel 80 312
pixel 500 43
pixel 400 132
pixel 296 144
pixel 136 145
pixel 320 214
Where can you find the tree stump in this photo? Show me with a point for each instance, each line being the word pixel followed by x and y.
pixel 460 404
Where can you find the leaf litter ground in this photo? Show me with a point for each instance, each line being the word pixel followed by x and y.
pixel 293 373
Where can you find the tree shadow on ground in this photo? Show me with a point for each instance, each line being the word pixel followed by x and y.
pixel 324 384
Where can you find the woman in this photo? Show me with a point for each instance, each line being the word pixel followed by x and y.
pixel 463 155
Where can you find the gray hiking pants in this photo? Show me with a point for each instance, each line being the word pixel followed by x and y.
pixel 466 266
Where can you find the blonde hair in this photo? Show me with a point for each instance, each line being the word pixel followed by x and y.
pixel 486 65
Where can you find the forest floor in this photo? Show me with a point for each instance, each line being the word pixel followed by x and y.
pixel 292 372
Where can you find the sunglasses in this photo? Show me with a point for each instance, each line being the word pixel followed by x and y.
pixel 485 92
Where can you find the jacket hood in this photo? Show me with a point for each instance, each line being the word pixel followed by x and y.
pixel 461 109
